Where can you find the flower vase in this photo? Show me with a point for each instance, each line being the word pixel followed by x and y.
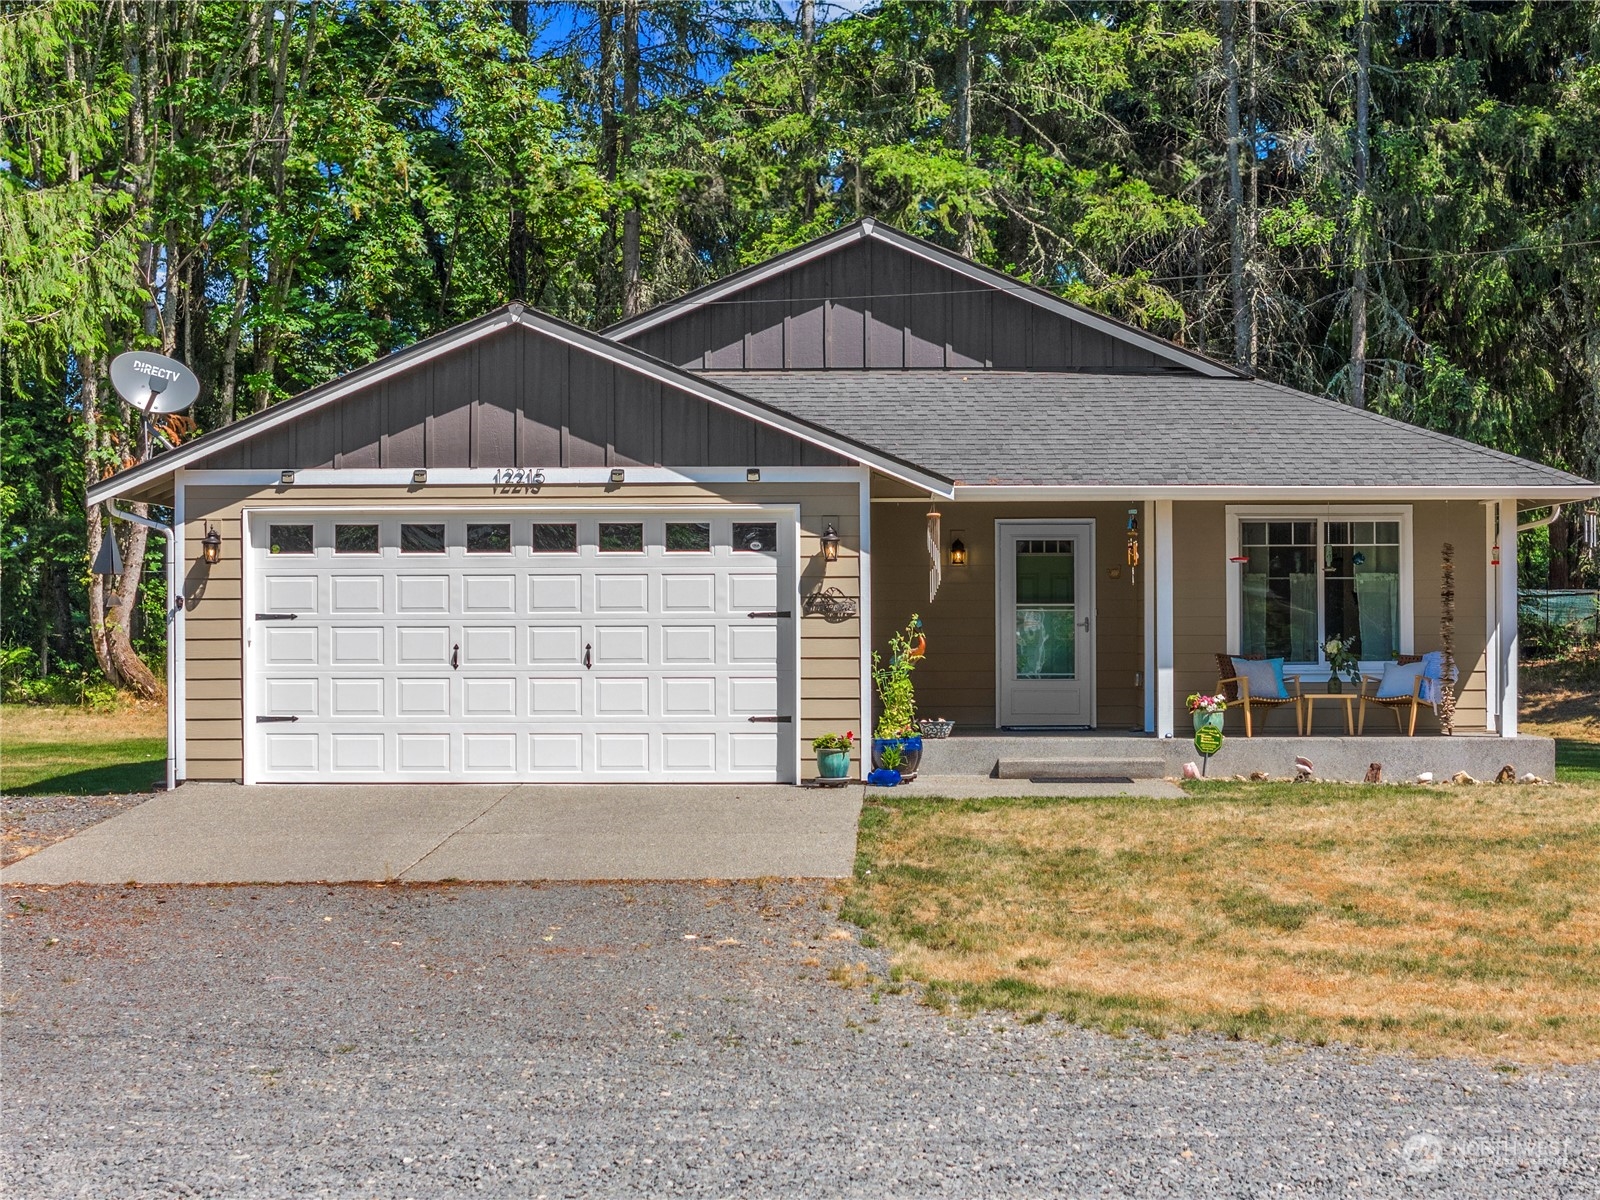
pixel 1213 719
pixel 1335 685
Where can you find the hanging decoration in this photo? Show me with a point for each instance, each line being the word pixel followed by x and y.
pixel 1133 546
pixel 1447 638
pixel 935 555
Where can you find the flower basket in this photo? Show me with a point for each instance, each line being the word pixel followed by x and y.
pixel 936 727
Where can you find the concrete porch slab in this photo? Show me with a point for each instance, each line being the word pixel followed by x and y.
pixel 980 787
pixel 225 833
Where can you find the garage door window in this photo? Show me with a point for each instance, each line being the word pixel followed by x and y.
pixel 755 537
pixel 621 538
pixel 689 538
pixel 422 539
pixel 355 539
pixel 555 539
pixel 290 539
pixel 488 539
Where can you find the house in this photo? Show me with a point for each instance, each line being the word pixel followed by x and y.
pixel 521 550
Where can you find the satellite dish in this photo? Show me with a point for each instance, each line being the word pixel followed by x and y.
pixel 154 383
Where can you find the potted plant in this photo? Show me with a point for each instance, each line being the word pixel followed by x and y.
pixel 833 755
pixel 1207 710
pixel 888 772
pixel 1342 660
pixel 897 701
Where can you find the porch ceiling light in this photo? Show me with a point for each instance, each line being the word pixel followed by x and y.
pixel 286 478
pixel 211 545
pixel 753 475
pixel 419 477
pixel 830 543
pixel 618 475
pixel 958 553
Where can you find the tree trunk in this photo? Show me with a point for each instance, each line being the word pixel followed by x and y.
pixel 608 286
pixel 632 288
pixel 808 100
pixel 1358 240
pixel 963 114
pixel 1252 126
pixel 1560 541
pixel 1236 218
pixel 279 270
pixel 517 220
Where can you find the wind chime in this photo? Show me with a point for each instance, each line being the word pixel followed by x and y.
pixel 935 554
pixel 1133 546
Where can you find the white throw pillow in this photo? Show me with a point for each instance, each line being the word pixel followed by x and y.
pixel 1399 680
pixel 1265 676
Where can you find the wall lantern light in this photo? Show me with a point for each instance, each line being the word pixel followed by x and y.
pixel 830 544
pixel 617 475
pixel 958 553
pixel 211 545
pixel 753 475
pixel 419 477
pixel 286 478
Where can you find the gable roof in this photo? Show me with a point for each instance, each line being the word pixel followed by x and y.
pixel 986 279
pixel 1031 429
pixel 192 454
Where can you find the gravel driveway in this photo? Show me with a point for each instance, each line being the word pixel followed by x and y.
pixel 607 1040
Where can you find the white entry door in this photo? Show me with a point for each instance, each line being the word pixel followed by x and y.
pixel 1046 615
pixel 538 646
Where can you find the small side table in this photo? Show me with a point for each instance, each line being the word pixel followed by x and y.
pixel 1355 714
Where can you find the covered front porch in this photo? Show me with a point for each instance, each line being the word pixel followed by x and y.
pixel 1154 589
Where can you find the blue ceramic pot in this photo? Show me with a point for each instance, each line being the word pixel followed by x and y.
pixel 883 778
pixel 910 754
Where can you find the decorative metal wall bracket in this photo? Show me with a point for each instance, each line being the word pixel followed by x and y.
pixel 829 603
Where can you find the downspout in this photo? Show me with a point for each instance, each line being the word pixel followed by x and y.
pixel 174 605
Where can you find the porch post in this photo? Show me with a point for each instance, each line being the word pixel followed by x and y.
pixel 1509 647
pixel 1162 568
pixel 1491 609
pixel 1149 677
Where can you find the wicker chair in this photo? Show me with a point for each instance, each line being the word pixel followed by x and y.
pixel 1235 691
pixel 1401 706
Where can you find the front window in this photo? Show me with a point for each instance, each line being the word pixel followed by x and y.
pixel 1306 581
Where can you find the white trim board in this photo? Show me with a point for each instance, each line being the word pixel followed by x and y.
pixel 1235 513
pixel 511 480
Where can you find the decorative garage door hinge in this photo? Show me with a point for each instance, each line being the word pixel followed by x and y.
pixel 772 720
pixel 756 616
pixel 277 616
pixel 271 720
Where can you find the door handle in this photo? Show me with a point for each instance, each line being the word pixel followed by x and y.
pixel 455 657
pixel 588 657
pixel 1086 624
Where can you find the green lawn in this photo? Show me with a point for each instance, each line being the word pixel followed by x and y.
pixel 1577 761
pixel 53 750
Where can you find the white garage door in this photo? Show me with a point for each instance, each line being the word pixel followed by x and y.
pixel 534 646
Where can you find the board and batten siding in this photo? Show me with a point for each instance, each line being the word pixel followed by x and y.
pixel 873 306
pixel 1200 608
pixel 519 398
pixel 957 679
pixel 830 653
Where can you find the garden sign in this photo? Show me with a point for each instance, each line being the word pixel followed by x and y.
pixel 1207 740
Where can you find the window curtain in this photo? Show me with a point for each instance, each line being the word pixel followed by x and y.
pixel 1303 618
pixel 1254 639
pixel 1378 598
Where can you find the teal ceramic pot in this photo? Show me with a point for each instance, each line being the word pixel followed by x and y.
pixel 833 764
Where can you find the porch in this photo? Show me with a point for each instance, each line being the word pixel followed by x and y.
pixel 1100 755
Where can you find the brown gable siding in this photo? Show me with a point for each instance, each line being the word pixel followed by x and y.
pixel 519 399
pixel 873 305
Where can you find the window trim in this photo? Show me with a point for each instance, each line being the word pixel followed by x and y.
pixel 1236 514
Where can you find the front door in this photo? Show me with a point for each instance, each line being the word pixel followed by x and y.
pixel 1046 613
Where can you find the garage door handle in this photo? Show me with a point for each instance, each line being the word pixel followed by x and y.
pixel 276 616
pixel 756 616
pixel 588 657
pixel 771 720
pixel 273 720
pixel 455 657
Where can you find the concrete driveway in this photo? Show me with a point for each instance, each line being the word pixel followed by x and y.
pixel 224 833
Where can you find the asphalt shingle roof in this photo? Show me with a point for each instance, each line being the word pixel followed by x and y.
pixel 1013 428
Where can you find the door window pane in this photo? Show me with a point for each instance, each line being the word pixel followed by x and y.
pixel 1046 608
pixel 422 539
pixel 1361 586
pixel 688 537
pixel 1279 589
pixel 355 539
pixel 621 537
pixel 488 539
pixel 759 537
pixel 555 539
pixel 289 539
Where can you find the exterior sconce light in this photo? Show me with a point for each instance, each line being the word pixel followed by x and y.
pixel 753 475
pixel 830 544
pixel 286 478
pixel 419 477
pixel 618 475
pixel 958 553
pixel 211 545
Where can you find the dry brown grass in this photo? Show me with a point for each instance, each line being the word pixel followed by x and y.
pixel 1437 920
pixel 1561 698
pixel 21 723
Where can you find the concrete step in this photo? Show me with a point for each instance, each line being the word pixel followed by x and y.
pixel 1122 767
